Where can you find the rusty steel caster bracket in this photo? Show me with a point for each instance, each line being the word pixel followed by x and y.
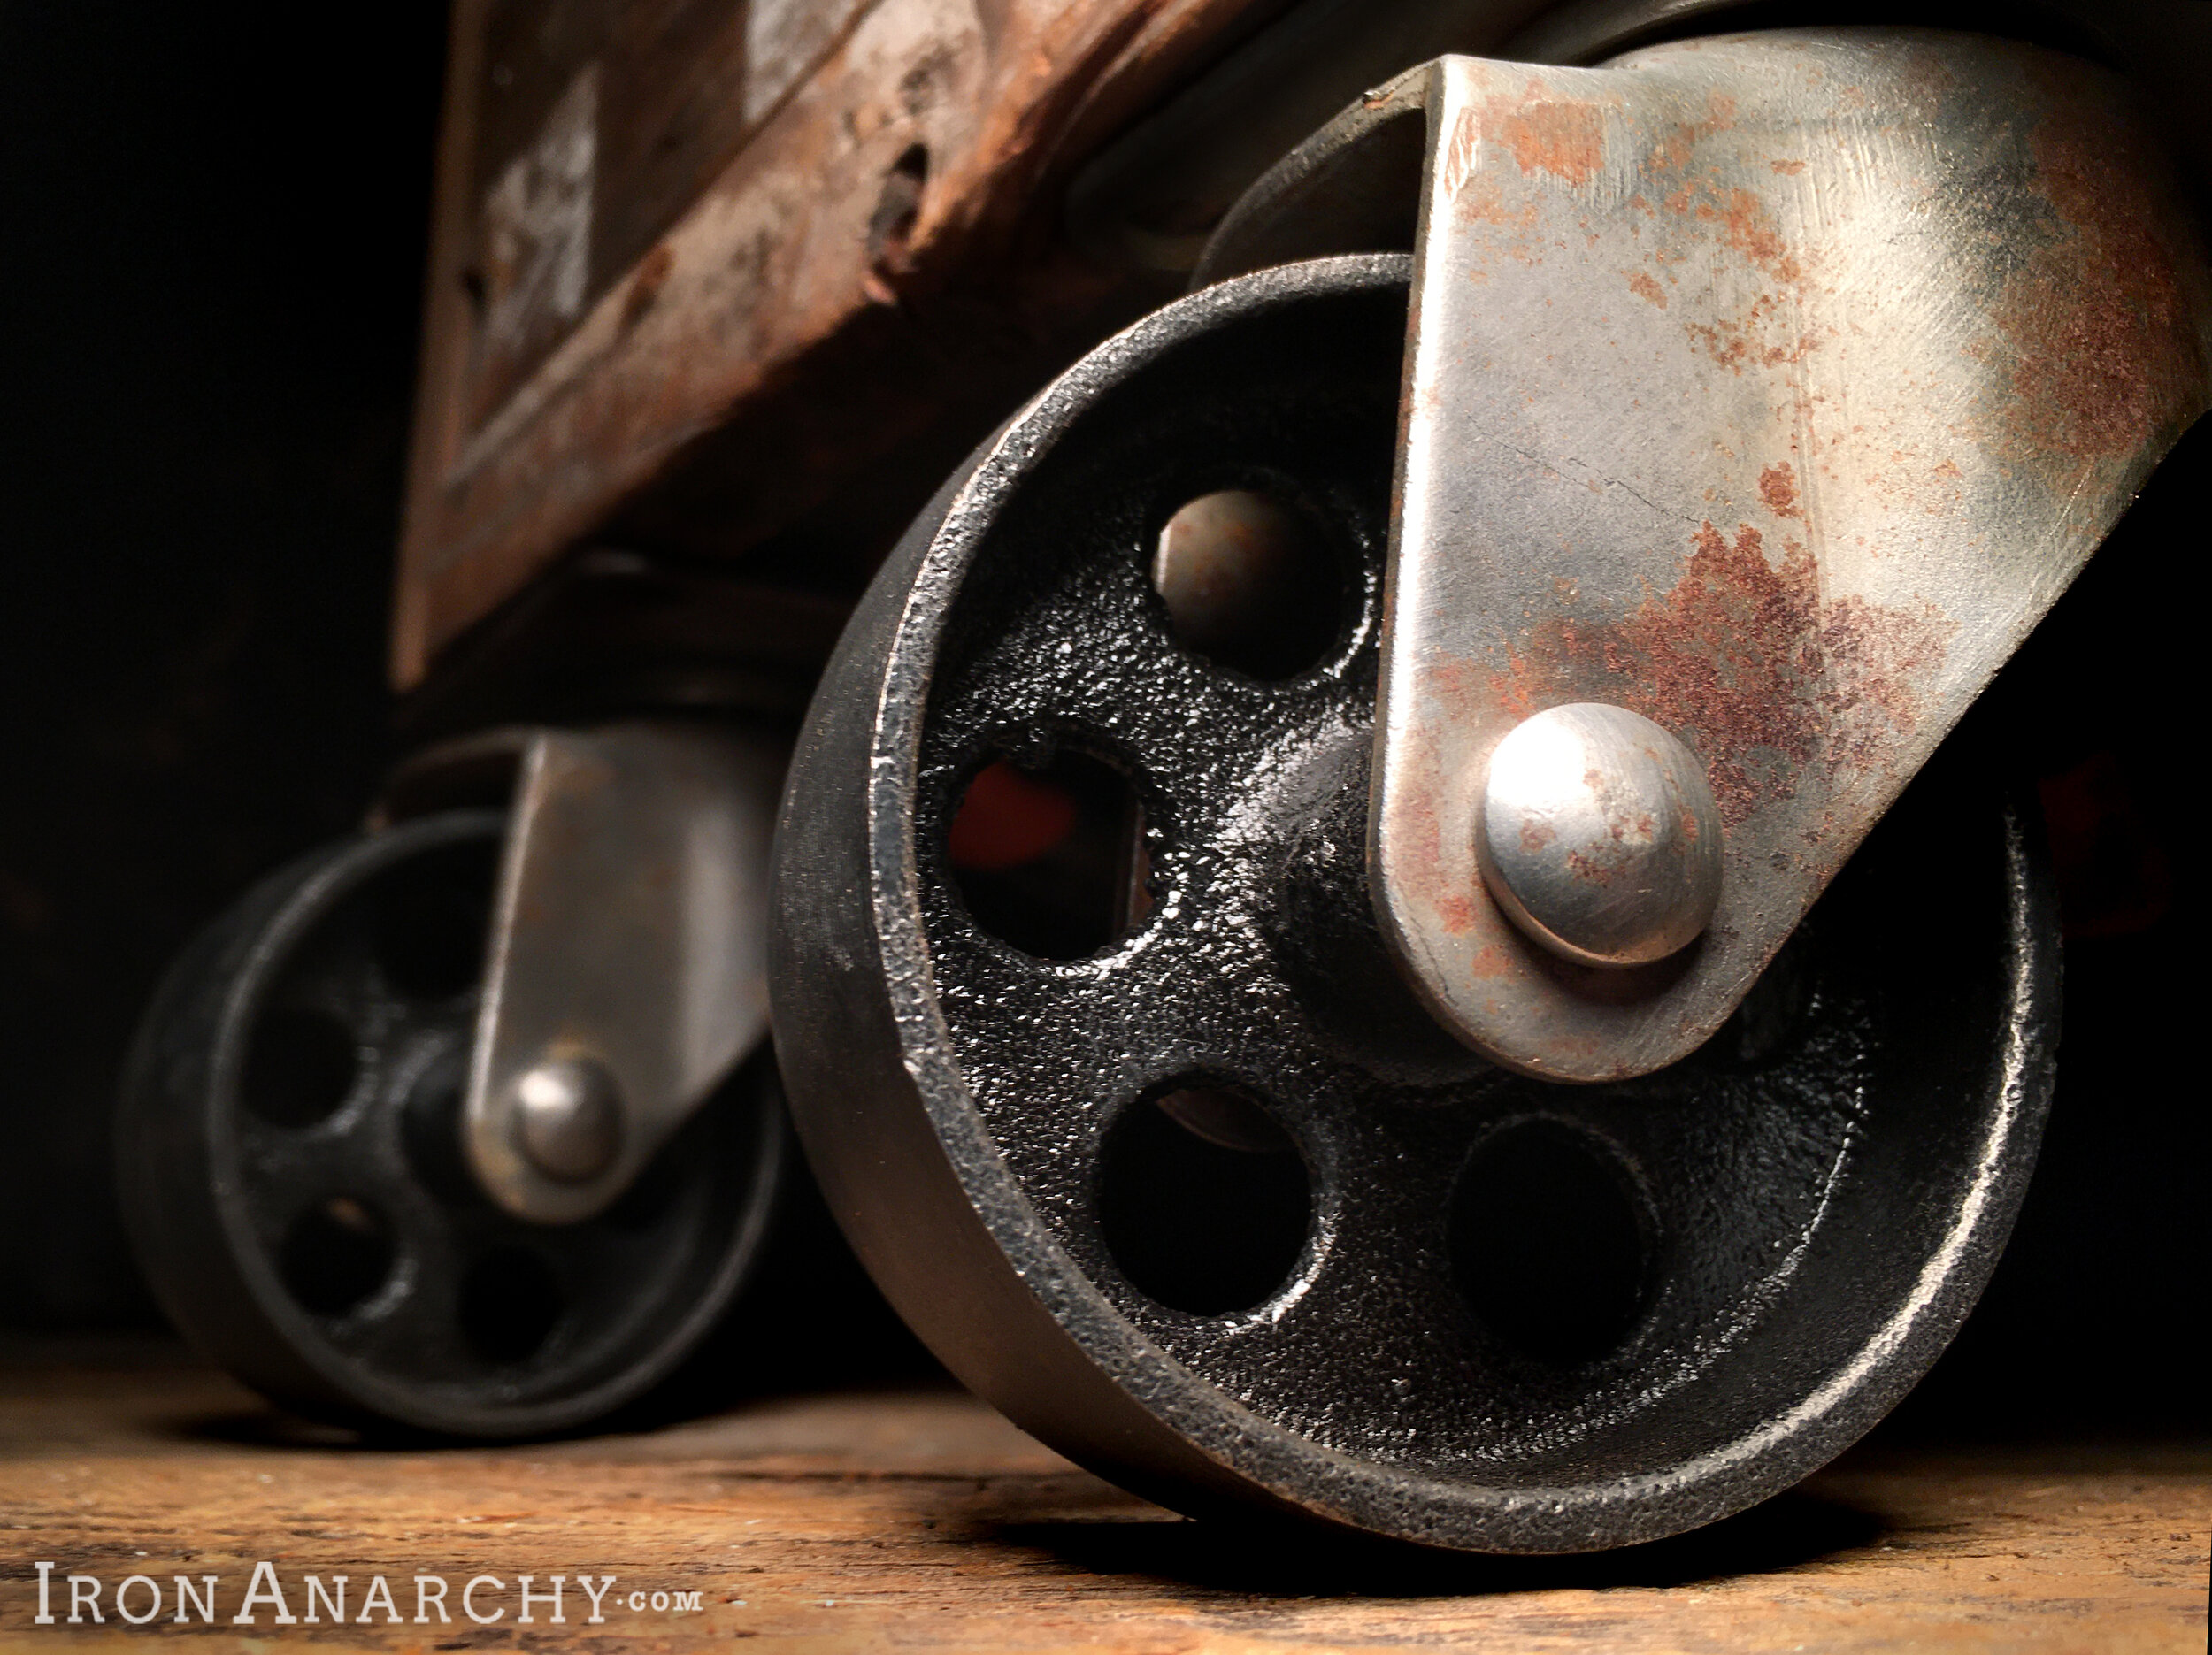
pixel 1762 392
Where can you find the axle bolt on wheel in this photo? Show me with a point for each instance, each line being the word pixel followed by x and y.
pixel 1599 835
pixel 569 1117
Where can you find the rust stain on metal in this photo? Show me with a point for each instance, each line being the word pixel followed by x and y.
pixel 1561 138
pixel 1743 220
pixel 1722 341
pixel 1778 486
pixel 1482 201
pixel 1749 229
pixel 2108 355
pixel 1745 658
pixel 1677 149
pixel 1753 338
pixel 1422 835
pixel 1643 286
pixel 1493 961
pixel 1592 871
pixel 1744 223
pixel 1455 912
pixel 1546 133
pixel 1726 654
pixel 1734 344
pixel 1461 157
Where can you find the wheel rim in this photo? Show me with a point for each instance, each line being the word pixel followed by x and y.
pixel 1777 1236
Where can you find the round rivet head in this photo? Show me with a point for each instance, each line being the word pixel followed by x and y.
pixel 568 1116
pixel 1599 836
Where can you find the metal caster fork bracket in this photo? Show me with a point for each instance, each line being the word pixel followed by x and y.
pixel 1762 392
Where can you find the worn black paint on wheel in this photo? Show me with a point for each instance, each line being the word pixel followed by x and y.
pixel 1451 1305
pixel 292 1170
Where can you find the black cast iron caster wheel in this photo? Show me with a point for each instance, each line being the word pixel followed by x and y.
pixel 292 1168
pixel 1095 1046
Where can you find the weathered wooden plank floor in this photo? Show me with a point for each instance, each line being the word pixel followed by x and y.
pixel 918 1520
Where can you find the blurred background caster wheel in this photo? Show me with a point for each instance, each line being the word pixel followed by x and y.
pixel 293 1169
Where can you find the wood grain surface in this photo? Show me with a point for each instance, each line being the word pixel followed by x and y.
pixel 832 269
pixel 918 1520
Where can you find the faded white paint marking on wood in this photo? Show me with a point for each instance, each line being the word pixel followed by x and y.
pixel 537 222
pixel 784 39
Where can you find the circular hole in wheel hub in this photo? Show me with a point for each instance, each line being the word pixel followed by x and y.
pixel 300 1064
pixel 1547 1242
pixel 1204 1199
pixel 335 1255
pixel 1249 583
pixel 1050 858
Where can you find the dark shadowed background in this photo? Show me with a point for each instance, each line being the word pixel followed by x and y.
pixel 214 233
